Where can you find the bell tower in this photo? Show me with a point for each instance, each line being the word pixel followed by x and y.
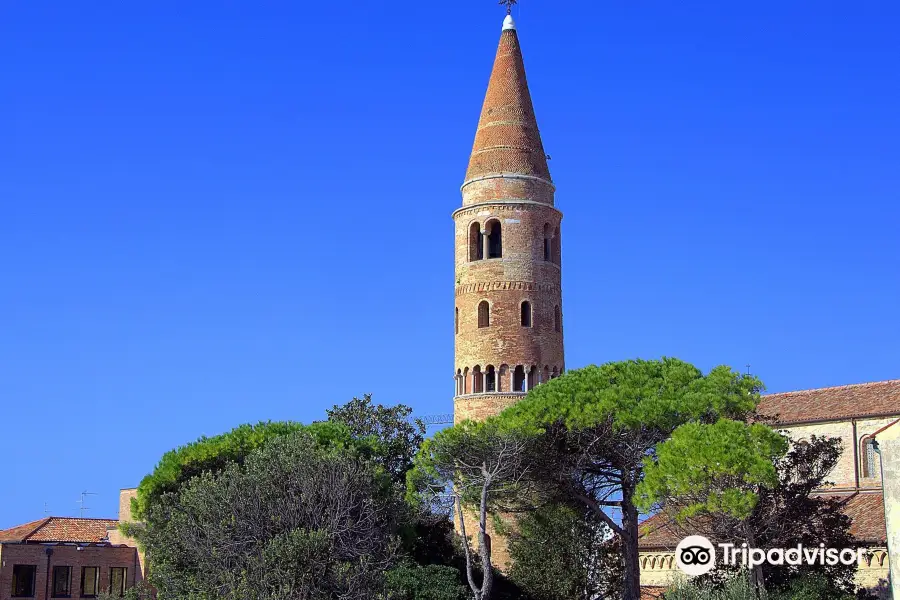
pixel 509 320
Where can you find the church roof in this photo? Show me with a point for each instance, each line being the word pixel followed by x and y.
pixel 59 529
pixel 508 140
pixel 879 398
pixel 866 511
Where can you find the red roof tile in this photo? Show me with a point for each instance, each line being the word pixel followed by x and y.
pixel 59 529
pixel 21 532
pixel 834 403
pixel 866 510
pixel 659 532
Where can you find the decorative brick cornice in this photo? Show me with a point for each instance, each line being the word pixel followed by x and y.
pixel 496 286
pixel 503 206
pixel 492 396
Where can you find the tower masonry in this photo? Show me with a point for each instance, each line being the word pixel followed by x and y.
pixel 508 321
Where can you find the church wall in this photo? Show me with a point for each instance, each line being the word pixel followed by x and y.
pixel 658 570
pixel 849 466
pixel 844 474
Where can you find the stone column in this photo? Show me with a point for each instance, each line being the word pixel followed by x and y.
pixel 888 441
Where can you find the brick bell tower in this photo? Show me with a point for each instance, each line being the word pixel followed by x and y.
pixel 508 329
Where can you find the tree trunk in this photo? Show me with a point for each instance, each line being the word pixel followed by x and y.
pixel 465 543
pixel 632 587
pixel 757 575
pixel 484 543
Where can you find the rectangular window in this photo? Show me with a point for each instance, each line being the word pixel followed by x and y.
pixel 90 581
pixel 23 581
pixel 117 581
pixel 62 582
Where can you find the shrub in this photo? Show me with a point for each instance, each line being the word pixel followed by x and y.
pixel 431 582
pixel 736 588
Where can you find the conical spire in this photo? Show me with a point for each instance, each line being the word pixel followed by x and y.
pixel 508 140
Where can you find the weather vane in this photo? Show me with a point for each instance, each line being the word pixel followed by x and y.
pixel 509 5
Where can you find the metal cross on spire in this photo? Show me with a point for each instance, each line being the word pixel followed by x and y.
pixel 509 5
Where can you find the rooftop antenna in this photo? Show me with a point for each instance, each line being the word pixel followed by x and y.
pixel 81 502
pixel 46 511
pixel 748 368
pixel 509 4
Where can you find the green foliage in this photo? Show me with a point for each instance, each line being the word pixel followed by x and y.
pixel 141 591
pixel 810 587
pixel 467 457
pixel 594 427
pixel 736 588
pixel 560 553
pixel 430 582
pixel 213 454
pixel 295 520
pixel 637 394
pixel 479 465
pixel 395 437
pixel 739 587
pixel 286 510
pixel 712 468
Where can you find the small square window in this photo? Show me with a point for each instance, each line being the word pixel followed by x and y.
pixel 23 581
pixel 62 582
pixel 117 581
pixel 90 581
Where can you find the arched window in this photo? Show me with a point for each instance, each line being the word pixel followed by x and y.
pixel 557 250
pixel 519 379
pixel 484 314
pixel 869 458
pixel 495 239
pixel 459 382
pixel 457 320
pixel 532 377
pixel 490 379
pixel 557 319
pixel 548 249
pixel 476 246
pixel 466 388
pixel 526 314
pixel 477 380
pixel 555 373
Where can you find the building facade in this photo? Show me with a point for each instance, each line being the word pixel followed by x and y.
pixel 856 414
pixel 888 448
pixel 508 321
pixel 63 557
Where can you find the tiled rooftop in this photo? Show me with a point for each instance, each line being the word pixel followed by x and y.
pixel 833 403
pixel 59 529
pixel 865 509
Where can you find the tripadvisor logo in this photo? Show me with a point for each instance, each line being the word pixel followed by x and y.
pixel 696 555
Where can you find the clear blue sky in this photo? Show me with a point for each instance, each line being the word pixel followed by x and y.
pixel 224 212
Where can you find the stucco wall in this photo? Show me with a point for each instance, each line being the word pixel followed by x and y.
pixel 889 443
